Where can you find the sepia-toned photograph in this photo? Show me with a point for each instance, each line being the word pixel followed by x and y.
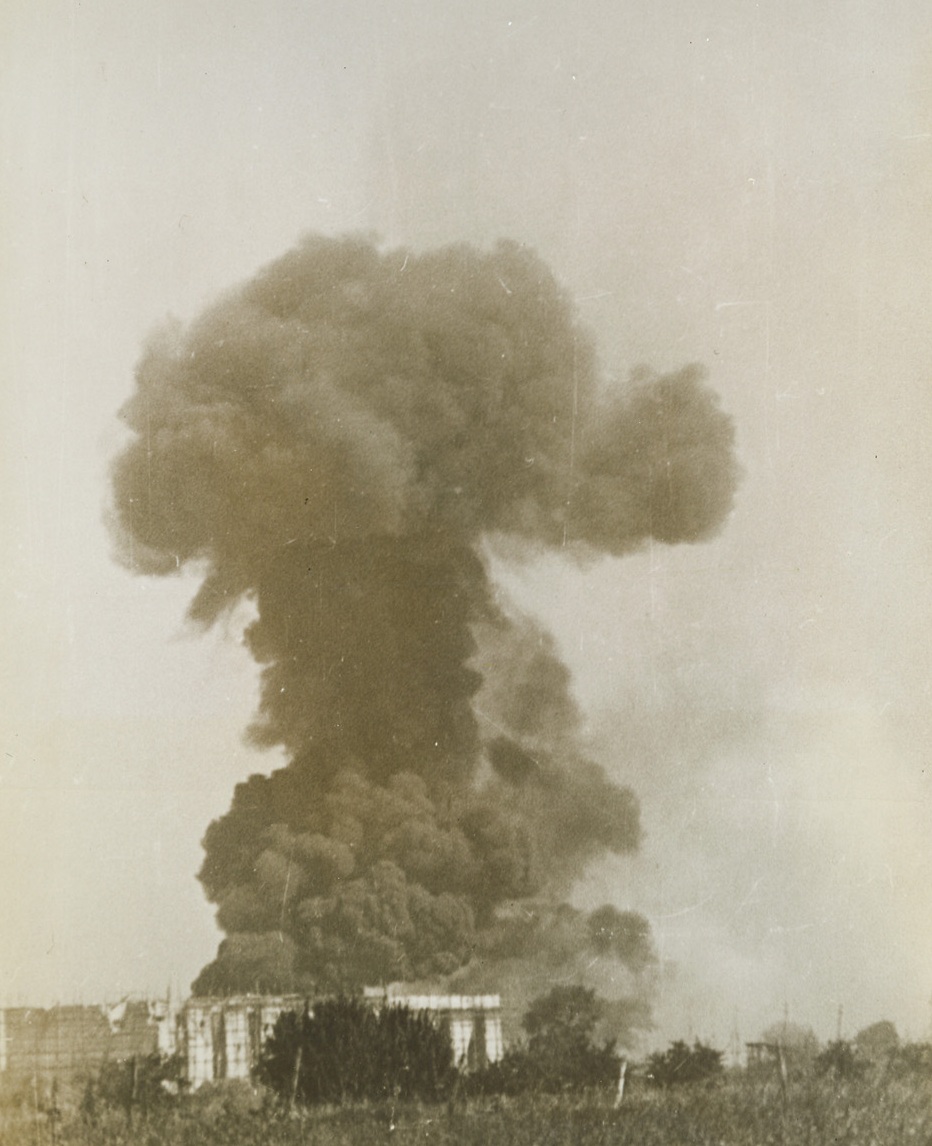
pixel 467 581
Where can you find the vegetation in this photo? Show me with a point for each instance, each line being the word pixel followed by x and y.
pixel 560 1053
pixel 870 1091
pixel 914 1060
pixel 346 1052
pixel 879 1053
pixel 740 1110
pixel 841 1059
pixel 798 1046
pixel 877 1040
pixel 141 1083
pixel 681 1064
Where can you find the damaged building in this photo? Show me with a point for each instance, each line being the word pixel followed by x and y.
pixel 222 1038
pixel 474 1021
pixel 64 1041
pixel 217 1038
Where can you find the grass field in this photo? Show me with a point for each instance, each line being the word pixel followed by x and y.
pixel 738 1111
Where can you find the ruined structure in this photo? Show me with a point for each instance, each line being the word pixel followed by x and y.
pixel 217 1038
pixel 63 1041
pixel 474 1021
pixel 223 1038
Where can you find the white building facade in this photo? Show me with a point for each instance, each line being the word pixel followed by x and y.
pixel 474 1021
pixel 222 1038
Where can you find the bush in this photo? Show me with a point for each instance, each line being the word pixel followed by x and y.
pixel 680 1063
pixel 739 1111
pixel 841 1059
pixel 345 1051
pixel 877 1041
pixel 912 1061
pixel 139 1083
pixel 560 1053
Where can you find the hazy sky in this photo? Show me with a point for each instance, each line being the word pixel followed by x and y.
pixel 744 185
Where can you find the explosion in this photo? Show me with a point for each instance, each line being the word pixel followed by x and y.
pixel 337 441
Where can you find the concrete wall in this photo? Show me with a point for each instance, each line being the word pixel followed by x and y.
pixel 58 1042
pixel 217 1038
pixel 475 1021
pixel 223 1038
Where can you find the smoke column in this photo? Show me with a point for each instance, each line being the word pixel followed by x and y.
pixel 335 441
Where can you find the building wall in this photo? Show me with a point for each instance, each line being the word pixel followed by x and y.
pixel 217 1038
pixel 58 1042
pixel 475 1021
pixel 223 1038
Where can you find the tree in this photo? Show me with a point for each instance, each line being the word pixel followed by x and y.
pixel 841 1059
pixel 912 1060
pixel 680 1063
pixel 798 1045
pixel 345 1051
pixel 560 1053
pixel 877 1041
pixel 138 1083
pixel 793 1037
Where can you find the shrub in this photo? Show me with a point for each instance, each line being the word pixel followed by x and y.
pixel 912 1061
pixel 841 1059
pixel 680 1063
pixel 345 1051
pixel 877 1041
pixel 560 1053
pixel 138 1084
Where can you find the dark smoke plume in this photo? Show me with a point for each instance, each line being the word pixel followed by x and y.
pixel 334 441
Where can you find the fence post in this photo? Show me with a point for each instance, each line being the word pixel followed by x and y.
pixel 297 1072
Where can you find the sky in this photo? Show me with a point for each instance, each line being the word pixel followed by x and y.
pixel 746 186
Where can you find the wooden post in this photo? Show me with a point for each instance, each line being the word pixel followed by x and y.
pixel 133 1082
pixel 623 1070
pixel 294 1081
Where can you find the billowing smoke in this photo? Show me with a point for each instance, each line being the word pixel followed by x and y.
pixel 336 441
